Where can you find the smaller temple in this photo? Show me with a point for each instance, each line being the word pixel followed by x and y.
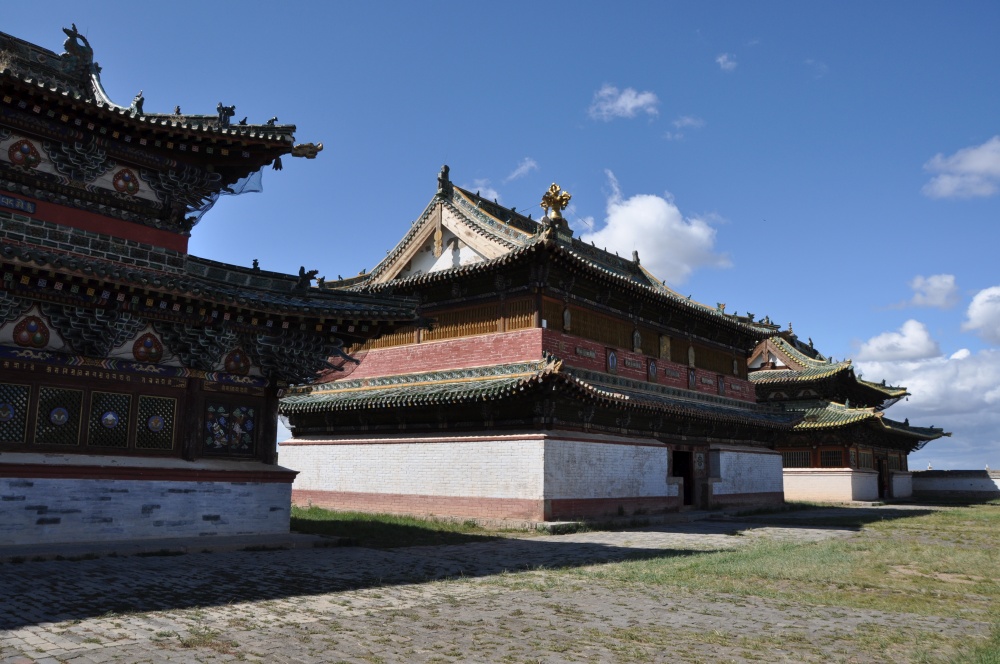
pixel 559 380
pixel 844 447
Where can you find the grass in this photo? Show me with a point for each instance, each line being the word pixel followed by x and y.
pixel 940 565
pixel 386 531
pixel 943 563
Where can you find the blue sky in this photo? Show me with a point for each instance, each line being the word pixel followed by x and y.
pixel 836 166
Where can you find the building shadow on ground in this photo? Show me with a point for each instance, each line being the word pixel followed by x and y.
pixel 66 590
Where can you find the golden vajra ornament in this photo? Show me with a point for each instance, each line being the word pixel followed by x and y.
pixel 556 200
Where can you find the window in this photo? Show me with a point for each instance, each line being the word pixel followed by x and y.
pixel 796 459
pixel 831 459
pixel 866 459
pixel 230 429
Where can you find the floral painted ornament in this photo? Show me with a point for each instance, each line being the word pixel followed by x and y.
pixel 147 348
pixel 110 419
pixel 155 423
pixel 59 416
pixel 31 333
pixel 237 362
pixel 126 182
pixel 24 153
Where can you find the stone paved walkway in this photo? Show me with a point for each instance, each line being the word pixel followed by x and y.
pixel 441 603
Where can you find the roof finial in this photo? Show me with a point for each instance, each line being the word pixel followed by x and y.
pixel 635 256
pixel 555 201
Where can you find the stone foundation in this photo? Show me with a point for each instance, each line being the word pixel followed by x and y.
pixel 64 498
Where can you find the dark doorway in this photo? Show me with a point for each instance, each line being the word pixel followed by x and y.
pixel 683 467
pixel 883 478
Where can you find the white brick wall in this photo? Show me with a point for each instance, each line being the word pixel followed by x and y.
pixel 507 468
pixel 902 483
pixel 747 470
pixel 830 484
pixel 579 469
pixel 64 510
pixel 970 482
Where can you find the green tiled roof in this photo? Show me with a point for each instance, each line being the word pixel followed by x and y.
pixel 419 389
pixel 800 356
pixel 829 415
pixel 819 368
pixel 890 391
pixel 777 376
pixel 226 285
pixel 44 71
pixel 921 433
pixel 502 381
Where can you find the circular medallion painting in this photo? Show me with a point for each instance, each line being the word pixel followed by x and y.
pixel 125 182
pixel 147 348
pixel 6 412
pixel 31 332
pixel 612 362
pixel 237 362
pixel 59 416
pixel 110 419
pixel 652 369
pixel 24 153
pixel 155 423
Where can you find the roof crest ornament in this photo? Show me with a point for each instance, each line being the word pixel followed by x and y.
pixel 445 188
pixel 225 113
pixel 78 58
pixel 555 201
pixel 137 103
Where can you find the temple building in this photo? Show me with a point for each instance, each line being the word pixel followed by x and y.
pixel 558 381
pixel 139 384
pixel 844 447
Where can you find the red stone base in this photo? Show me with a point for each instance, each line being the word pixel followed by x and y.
pixel 567 509
pixel 748 499
pixel 395 503
pixel 489 508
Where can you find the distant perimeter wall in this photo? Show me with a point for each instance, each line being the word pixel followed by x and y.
pixel 975 484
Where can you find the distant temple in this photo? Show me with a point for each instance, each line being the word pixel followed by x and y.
pixel 844 447
pixel 139 384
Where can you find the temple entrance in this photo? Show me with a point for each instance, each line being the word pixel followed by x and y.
pixel 684 467
pixel 883 478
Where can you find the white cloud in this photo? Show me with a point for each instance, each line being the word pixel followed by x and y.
pixel 671 245
pixel 683 122
pixel 983 315
pixel 937 290
pixel 818 67
pixel 970 172
pixel 523 168
pixel 483 188
pixel 911 342
pixel 959 394
pixel 727 61
pixel 610 103
pixel 688 121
